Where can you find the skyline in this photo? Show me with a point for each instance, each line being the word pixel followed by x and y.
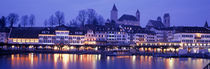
pixel 183 13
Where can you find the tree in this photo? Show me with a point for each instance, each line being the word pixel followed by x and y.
pixel 32 20
pixel 91 16
pixel 24 20
pixel 206 25
pixel 59 17
pixel 3 22
pixel 100 20
pixel 82 17
pixel 73 23
pixel 52 21
pixel 13 19
pixel 19 25
pixel 45 23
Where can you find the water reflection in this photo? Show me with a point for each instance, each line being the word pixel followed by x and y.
pixel 74 61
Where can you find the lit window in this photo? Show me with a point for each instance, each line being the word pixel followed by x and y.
pixel 23 40
pixel 36 40
pixel 14 40
pixel 32 40
pixel 27 40
pixel 19 40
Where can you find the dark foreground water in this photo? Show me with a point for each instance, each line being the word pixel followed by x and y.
pixel 87 61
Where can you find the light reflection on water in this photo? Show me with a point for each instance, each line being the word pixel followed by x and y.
pixel 89 61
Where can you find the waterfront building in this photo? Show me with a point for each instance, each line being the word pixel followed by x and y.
pixel 163 34
pixel 24 35
pixel 193 39
pixel 90 38
pixel 4 35
pixel 61 35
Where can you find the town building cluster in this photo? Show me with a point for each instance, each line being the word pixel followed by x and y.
pixel 125 30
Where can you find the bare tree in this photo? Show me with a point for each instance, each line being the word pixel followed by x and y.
pixel 82 17
pixel 24 20
pixel 12 19
pixel 89 16
pixel 32 20
pixel 100 20
pixel 91 13
pixel 3 22
pixel 45 23
pixel 59 17
pixel 73 23
pixel 52 21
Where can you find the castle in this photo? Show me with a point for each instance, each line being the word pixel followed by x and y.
pixel 135 20
pixel 125 19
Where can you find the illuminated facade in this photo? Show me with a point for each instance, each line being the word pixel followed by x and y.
pixel 4 35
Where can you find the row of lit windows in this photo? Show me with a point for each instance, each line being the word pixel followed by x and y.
pixel 187 35
pixel 205 36
pixel 54 41
pixel 187 41
pixel 202 41
pixel 62 37
pixel 26 40
pixel 62 32
pixel 117 39
pixel 140 35
pixel 115 36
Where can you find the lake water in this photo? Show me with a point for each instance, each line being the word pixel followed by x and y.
pixel 90 61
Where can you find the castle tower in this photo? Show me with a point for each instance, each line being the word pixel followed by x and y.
pixel 166 20
pixel 138 16
pixel 159 19
pixel 114 13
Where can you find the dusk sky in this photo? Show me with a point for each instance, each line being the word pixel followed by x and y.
pixel 182 12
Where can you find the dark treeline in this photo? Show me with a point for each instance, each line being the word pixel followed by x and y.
pixel 87 16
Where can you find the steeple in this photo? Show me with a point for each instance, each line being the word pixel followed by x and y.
pixel 206 25
pixel 138 16
pixel 114 14
pixel 114 8
pixel 137 11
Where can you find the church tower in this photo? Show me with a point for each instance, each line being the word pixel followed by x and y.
pixel 166 20
pixel 114 13
pixel 138 16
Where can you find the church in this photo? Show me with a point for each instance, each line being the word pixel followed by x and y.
pixel 125 19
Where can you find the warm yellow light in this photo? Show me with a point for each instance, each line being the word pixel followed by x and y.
pixel 13 46
pixel 27 40
pixel 71 47
pixel 30 46
pixel 23 40
pixel 198 35
pixel 55 48
pixel 96 48
pixel 160 43
pixel 36 40
pixel 14 40
pixel 32 40
pixel 65 48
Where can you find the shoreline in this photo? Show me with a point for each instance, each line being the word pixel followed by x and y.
pixel 165 55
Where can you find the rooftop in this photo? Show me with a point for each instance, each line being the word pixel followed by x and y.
pixel 128 17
